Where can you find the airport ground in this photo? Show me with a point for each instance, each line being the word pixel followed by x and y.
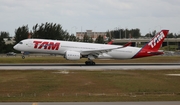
pixel 89 86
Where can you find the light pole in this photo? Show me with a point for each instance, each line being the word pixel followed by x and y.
pixel 120 32
pixel 94 31
pixel 125 31
pixel 149 33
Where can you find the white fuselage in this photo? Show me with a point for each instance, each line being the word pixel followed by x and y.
pixel 29 45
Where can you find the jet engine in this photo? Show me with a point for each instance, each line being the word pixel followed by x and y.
pixel 72 55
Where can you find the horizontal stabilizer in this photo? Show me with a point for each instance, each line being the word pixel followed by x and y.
pixel 156 53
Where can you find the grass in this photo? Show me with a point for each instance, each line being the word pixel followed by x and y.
pixel 91 86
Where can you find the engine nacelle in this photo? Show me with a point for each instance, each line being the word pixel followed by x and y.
pixel 72 55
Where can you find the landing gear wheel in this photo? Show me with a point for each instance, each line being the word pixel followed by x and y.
pixel 86 63
pixel 23 57
pixel 90 63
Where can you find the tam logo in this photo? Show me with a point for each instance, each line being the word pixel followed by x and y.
pixel 156 39
pixel 46 45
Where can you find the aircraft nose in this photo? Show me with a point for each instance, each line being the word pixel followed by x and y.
pixel 15 47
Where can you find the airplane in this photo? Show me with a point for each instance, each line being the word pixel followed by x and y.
pixel 77 50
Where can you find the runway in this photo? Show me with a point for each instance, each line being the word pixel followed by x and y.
pixel 102 66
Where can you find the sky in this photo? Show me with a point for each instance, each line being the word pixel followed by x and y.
pixel 97 15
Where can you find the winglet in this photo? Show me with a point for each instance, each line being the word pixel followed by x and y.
pixel 127 44
pixel 153 46
pixel 110 42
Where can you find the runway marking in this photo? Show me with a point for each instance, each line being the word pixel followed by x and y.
pixel 35 104
pixel 62 72
pixel 173 74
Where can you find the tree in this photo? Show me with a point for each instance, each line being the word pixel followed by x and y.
pixel 85 38
pixel 5 47
pixel 91 40
pixel 124 33
pixel 108 35
pixel 66 37
pixel 99 39
pixel 21 33
pixel 170 35
pixel 50 31
pixel 9 48
pixel 2 45
pixel 135 33
pixel 4 34
pixel 154 33
pixel 72 38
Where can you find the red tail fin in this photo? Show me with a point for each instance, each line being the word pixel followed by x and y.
pixel 157 41
pixel 153 46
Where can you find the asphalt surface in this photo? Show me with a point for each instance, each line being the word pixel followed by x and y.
pixel 81 66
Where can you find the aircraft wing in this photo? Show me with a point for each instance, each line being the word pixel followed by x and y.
pixel 103 50
pixel 99 51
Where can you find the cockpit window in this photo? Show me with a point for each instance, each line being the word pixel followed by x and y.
pixel 20 42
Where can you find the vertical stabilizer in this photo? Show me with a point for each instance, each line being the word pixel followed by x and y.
pixel 153 46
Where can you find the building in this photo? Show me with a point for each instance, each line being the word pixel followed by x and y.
pixel 91 34
pixel 9 40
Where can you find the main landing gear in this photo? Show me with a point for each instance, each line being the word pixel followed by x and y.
pixel 90 62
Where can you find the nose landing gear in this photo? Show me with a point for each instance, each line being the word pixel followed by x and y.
pixel 23 57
